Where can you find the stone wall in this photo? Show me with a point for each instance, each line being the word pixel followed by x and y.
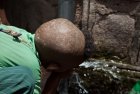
pixel 115 26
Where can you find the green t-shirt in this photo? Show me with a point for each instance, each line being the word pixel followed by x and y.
pixel 136 88
pixel 19 53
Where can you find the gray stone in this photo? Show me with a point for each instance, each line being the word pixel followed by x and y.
pixel 113 35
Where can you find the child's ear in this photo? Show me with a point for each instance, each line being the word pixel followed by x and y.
pixel 52 67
